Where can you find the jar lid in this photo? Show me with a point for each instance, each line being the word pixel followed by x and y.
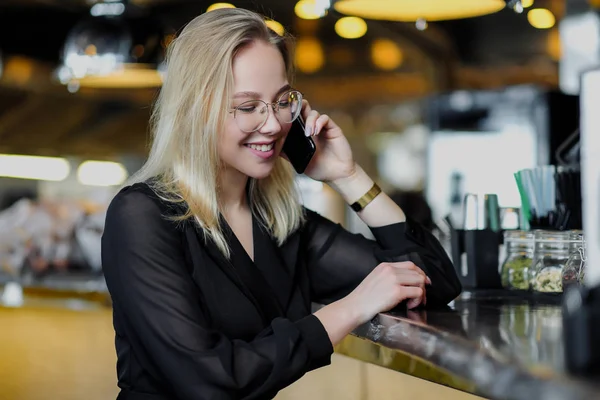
pixel 518 235
pixel 576 235
pixel 551 236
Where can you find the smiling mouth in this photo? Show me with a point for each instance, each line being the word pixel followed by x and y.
pixel 262 147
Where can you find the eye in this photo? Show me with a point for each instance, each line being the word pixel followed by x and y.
pixel 284 104
pixel 247 109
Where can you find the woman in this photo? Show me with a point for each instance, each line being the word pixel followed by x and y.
pixel 212 263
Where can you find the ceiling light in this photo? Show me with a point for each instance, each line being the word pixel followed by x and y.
pixel 351 27
pixel 386 55
pixel 128 76
pixel 541 18
pixel 553 45
pixel 526 3
pixel 19 69
pixel 96 46
pixel 309 55
pixel 421 24
pixel 310 9
pixel 217 6
pixel 107 9
pixel 101 173
pixel 34 167
pixel 100 53
pixel 413 10
pixel 276 26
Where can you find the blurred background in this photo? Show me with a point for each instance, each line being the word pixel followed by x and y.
pixel 438 99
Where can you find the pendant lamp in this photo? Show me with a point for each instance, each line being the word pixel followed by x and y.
pixel 428 10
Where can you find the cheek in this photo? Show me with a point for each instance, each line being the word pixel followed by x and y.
pixel 285 130
pixel 231 136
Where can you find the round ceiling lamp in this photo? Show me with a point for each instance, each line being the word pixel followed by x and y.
pixel 218 6
pixel 275 26
pixel 97 46
pixel 109 50
pixel 414 10
pixel 311 9
pixel 309 55
pixel 541 18
pixel 351 27
pixel 386 54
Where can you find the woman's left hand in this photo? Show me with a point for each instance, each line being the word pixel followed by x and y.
pixel 333 159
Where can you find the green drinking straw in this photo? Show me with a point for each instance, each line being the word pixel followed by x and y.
pixel 524 201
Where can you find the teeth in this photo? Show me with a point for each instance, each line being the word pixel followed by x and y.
pixel 262 147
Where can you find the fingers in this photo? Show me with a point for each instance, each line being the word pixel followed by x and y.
pixel 410 278
pixel 413 303
pixel 313 121
pixel 407 265
pixel 310 123
pixel 404 280
pixel 306 109
pixel 309 116
pixel 413 293
pixel 407 273
pixel 320 123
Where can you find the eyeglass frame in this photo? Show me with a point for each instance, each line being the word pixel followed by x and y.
pixel 273 105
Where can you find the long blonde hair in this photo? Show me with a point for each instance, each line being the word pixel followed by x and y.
pixel 190 111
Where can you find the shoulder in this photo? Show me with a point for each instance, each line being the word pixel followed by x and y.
pixel 311 216
pixel 313 221
pixel 138 204
pixel 133 200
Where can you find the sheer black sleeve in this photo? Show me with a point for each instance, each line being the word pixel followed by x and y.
pixel 339 260
pixel 159 304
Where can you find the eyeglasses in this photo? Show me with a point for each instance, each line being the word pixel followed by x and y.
pixel 252 115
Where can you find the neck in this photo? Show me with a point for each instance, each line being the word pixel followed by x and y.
pixel 233 190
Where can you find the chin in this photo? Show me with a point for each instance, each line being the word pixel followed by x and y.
pixel 260 172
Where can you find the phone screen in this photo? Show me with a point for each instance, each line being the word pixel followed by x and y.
pixel 298 148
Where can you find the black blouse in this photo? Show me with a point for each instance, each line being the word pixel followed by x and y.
pixel 192 325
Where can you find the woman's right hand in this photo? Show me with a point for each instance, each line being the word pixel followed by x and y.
pixel 386 286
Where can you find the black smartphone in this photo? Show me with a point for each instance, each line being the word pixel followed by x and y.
pixel 299 148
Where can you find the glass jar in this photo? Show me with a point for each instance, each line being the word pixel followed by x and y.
pixel 519 259
pixel 574 271
pixel 549 259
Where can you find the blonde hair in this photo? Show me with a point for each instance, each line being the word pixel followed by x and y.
pixel 190 111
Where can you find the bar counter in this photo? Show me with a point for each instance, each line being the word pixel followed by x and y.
pixel 493 344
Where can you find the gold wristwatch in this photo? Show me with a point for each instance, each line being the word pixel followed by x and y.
pixel 361 203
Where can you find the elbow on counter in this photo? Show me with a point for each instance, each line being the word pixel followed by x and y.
pixel 445 283
pixel 423 249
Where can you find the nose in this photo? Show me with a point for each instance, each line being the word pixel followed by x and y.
pixel 272 125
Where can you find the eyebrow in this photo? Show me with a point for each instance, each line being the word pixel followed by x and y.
pixel 256 95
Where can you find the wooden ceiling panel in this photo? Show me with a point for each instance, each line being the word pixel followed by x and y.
pixel 41 117
pixel 42 120
pixel 125 132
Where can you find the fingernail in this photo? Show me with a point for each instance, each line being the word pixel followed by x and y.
pixel 308 131
pixel 428 280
